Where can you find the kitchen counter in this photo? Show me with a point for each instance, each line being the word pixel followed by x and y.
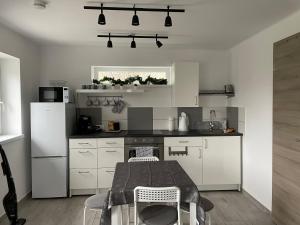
pixel 155 133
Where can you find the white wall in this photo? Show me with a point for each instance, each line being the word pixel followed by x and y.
pixel 18 152
pixel 252 75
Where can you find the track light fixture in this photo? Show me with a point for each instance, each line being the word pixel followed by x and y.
pixel 158 43
pixel 135 18
pixel 101 18
pixel 168 21
pixel 133 37
pixel 109 42
pixel 133 44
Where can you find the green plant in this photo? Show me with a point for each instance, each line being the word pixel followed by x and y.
pixel 131 80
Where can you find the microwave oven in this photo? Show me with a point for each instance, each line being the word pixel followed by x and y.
pixel 55 94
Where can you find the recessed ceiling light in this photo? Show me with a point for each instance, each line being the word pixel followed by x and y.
pixel 40 4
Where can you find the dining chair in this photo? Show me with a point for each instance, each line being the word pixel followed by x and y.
pixel 143 159
pixel 157 214
pixel 204 206
pixel 95 202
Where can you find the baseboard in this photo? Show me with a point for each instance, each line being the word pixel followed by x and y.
pixel 20 202
pixel 257 203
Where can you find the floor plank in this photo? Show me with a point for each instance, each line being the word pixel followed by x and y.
pixel 231 208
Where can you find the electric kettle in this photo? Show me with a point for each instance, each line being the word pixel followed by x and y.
pixel 183 122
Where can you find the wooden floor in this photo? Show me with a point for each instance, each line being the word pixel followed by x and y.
pixel 231 208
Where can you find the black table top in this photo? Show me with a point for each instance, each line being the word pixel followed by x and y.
pixel 151 174
pixel 155 133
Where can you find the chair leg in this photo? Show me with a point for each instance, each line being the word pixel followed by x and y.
pixel 84 215
pixel 208 218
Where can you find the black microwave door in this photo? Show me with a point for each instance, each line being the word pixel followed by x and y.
pixel 51 94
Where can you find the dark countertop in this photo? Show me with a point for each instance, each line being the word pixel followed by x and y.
pixel 155 133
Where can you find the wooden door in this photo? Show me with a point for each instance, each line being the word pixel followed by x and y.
pixel 286 132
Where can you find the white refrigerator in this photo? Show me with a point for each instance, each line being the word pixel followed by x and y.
pixel 51 124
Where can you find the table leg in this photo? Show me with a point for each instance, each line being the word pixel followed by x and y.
pixel 126 214
pixel 193 214
pixel 116 215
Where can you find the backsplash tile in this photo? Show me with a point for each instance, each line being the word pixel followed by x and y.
pixel 233 117
pixel 194 114
pixel 140 118
pixel 94 113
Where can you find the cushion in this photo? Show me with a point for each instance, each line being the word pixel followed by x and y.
pixel 203 203
pixel 159 215
pixel 96 201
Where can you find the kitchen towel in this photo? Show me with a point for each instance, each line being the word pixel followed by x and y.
pixel 146 151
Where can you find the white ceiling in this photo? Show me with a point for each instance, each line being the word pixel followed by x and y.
pixel 216 24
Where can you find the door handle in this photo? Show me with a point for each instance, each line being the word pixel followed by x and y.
pixel 83 152
pixel 111 143
pixel 205 143
pixel 109 171
pixel 183 142
pixel 200 153
pixel 110 151
pixel 84 172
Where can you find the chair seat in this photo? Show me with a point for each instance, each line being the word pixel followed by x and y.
pixel 96 201
pixel 159 215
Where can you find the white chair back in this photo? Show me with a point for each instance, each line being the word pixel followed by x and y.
pixel 143 159
pixel 155 195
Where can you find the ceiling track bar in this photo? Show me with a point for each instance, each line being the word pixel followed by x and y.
pixel 133 9
pixel 133 36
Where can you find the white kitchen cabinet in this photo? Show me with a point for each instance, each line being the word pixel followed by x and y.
pixel 83 178
pixel 83 158
pixel 188 152
pixel 109 157
pixel 105 177
pixel 222 161
pixel 92 163
pixel 191 163
pixel 186 84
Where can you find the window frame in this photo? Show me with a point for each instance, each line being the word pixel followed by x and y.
pixel 149 69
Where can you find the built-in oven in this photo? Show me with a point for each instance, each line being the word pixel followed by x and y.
pixel 55 94
pixel 147 146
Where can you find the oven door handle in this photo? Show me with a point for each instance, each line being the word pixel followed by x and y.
pixel 135 148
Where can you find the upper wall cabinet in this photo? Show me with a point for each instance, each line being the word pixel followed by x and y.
pixel 186 84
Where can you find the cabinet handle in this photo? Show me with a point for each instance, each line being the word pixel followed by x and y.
pixel 110 151
pixel 84 172
pixel 183 142
pixel 200 153
pixel 83 152
pixel 109 171
pixel 206 143
pixel 111 143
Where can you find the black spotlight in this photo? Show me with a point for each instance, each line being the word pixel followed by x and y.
pixel 168 21
pixel 133 44
pixel 109 42
pixel 101 18
pixel 135 19
pixel 158 43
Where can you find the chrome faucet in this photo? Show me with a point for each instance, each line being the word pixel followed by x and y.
pixel 212 117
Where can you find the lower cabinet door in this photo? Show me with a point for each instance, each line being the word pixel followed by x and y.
pixel 105 177
pixel 191 163
pixel 222 160
pixel 83 178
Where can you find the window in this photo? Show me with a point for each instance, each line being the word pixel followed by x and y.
pixel 122 73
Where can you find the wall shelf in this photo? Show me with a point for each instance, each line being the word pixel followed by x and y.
pixel 107 91
pixel 216 92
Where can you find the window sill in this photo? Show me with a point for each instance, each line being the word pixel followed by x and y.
pixel 4 139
